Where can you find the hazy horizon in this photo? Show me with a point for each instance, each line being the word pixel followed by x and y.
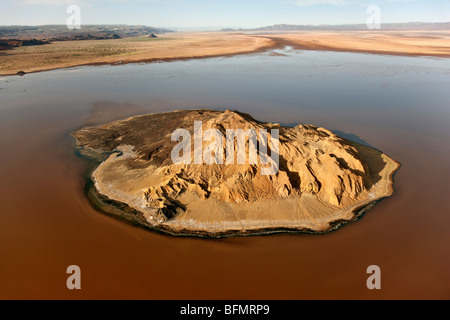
pixel 218 14
pixel 216 28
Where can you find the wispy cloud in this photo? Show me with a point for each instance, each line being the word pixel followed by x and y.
pixel 308 3
pixel 86 2
pixel 48 2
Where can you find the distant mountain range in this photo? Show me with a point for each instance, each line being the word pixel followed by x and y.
pixel 410 26
pixel 61 32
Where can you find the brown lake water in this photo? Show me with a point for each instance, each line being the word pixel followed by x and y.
pixel 400 105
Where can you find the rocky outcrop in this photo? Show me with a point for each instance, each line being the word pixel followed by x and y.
pixel 6 44
pixel 320 177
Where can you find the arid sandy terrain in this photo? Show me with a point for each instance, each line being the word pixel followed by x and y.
pixel 178 46
pixel 62 54
pixel 420 43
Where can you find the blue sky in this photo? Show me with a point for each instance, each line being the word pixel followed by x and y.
pixel 207 14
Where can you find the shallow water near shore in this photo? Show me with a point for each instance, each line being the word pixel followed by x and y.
pixel 399 105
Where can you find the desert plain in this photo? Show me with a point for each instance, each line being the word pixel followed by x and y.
pixel 184 46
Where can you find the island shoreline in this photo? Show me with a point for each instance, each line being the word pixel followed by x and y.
pixel 100 202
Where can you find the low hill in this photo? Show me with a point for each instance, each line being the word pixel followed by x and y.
pixel 61 32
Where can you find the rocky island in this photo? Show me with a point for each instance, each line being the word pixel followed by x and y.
pixel 322 181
